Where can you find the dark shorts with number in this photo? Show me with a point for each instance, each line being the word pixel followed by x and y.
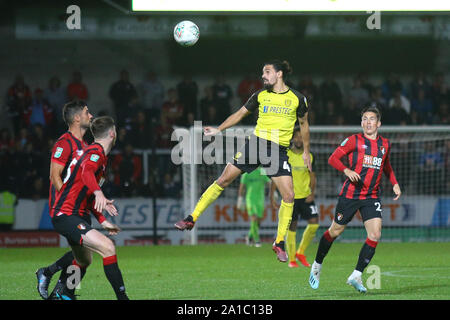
pixel 304 210
pixel 346 209
pixel 257 152
pixel 72 227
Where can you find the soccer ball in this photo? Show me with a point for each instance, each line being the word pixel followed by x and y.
pixel 186 33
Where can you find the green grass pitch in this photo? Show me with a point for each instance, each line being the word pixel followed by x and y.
pixel 408 271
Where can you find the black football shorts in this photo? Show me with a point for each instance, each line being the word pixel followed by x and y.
pixel 257 152
pixel 72 227
pixel 346 209
pixel 304 210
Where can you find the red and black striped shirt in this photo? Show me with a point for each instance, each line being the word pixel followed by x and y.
pixel 368 158
pixel 84 176
pixel 66 148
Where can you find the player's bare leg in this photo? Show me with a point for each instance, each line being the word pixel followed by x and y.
pixel 97 242
pixel 373 229
pixel 286 188
pixel 228 175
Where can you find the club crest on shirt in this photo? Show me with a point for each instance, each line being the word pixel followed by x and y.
pixel 339 216
pixel 81 226
pixel 382 150
pixel 58 152
pixel 287 102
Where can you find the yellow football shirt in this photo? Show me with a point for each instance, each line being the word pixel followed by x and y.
pixel 300 174
pixel 278 113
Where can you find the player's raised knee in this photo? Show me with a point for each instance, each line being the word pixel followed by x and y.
pixel 374 235
pixel 108 248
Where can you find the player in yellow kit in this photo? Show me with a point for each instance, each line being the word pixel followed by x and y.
pixel 304 206
pixel 279 107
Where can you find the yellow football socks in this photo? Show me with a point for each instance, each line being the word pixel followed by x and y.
pixel 290 244
pixel 284 220
pixel 307 237
pixel 208 197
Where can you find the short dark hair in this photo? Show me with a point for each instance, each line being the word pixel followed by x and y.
pixel 71 108
pixel 373 109
pixel 100 126
pixel 279 65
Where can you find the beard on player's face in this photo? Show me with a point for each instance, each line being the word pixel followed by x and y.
pixel 268 85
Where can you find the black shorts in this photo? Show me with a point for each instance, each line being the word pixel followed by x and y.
pixel 257 152
pixel 346 209
pixel 72 227
pixel 305 210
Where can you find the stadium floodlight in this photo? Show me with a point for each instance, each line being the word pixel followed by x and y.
pixel 288 5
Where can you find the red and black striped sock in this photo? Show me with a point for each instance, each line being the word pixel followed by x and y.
pixel 324 246
pixel 366 254
pixel 114 276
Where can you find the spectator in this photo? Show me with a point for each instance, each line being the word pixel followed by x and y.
pixel 38 138
pixel 249 85
pixel 151 92
pixel 419 83
pixel 22 138
pixel 170 189
pixel 329 90
pixel 308 89
pixel 330 113
pixel 439 89
pixel 400 100
pixel 141 135
pixel 391 85
pixel 377 100
pixel 127 168
pixel 122 139
pixel 206 101
pixel 172 108
pixel 39 112
pixel 222 94
pixel 18 99
pixel 352 113
pixel 6 140
pixel 212 118
pixel 56 97
pixel 442 115
pixel 39 189
pixel 187 95
pixel 359 94
pixel 163 133
pixel 422 107
pixel 365 84
pixel 77 89
pixel 122 93
pixel 396 114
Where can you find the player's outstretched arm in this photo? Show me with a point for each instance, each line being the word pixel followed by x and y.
pixel 232 120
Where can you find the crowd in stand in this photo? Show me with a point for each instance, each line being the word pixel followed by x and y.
pixel 146 114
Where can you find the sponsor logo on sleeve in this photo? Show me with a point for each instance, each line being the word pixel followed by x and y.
pixel 58 152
